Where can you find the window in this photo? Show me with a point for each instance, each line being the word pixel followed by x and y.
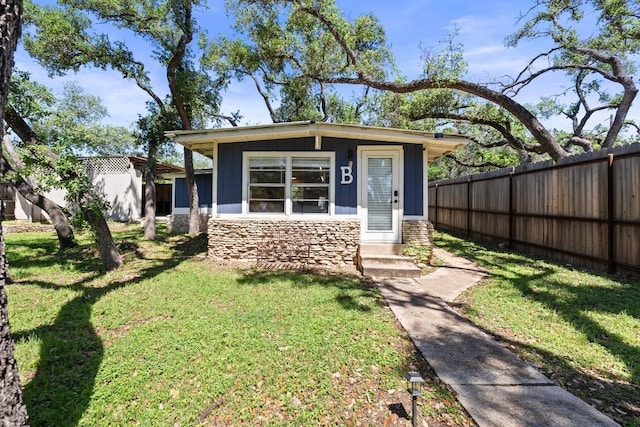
pixel 296 183
pixel 267 184
pixel 310 178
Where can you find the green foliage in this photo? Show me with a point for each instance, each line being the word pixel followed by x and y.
pixel 420 253
pixel 30 99
pixel 61 43
pixel 286 47
pixel 447 63
pixel 599 59
pixel 298 101
pixel 63 170
pixel 151 128
pixel 162 24
pixel 73 117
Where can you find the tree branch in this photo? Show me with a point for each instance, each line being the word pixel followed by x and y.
pixel 232 121
pixel 509 138
pixel 537 129
pixel 265 97
pixel 473 164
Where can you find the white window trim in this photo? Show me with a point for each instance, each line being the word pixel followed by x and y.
pixel 288 205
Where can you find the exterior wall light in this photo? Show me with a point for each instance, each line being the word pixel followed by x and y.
pixel 414 381
pixel 350 157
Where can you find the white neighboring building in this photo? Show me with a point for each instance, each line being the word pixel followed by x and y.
pixel 119 178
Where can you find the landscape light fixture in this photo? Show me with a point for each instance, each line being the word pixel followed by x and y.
pixel 415 388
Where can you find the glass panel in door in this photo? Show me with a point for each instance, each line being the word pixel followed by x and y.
pixel 380 194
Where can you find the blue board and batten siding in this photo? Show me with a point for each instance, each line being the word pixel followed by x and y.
pixel 203 181
pixel 413 180
pixel 230 172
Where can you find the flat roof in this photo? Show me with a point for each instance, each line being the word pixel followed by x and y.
pixel 201 141
pixel 161 168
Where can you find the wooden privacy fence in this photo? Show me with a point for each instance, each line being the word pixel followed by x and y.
pixel 584 210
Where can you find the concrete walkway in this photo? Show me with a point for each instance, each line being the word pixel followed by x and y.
pixel 494 386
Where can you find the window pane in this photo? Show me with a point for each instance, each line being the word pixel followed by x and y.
pixel 310 199
pixel 267 163
pixel 307 206
pixel 309 192
pixel 310 177
pixel 265 206
pixel 310 162
pixel 266 177
pixel 266 193
pixel 310 170
pixel 267 170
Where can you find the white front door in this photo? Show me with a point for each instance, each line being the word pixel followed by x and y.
pixel 380 195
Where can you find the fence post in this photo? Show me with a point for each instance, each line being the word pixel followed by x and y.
pixel 611 268
pixel 511 222
pixel 435 216
pixel 468 207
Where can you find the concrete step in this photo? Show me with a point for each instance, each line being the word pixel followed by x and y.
pixel 372 268
pixel 385 259
pixel 381 249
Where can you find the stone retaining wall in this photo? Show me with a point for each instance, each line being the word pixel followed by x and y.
pixel 323 242
pixel 417 232
pixel 27 227
pixel 179 224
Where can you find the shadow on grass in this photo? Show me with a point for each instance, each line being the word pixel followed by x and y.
pixel 44 253
pixel 355 293
pixel 576 303
pixel 71 352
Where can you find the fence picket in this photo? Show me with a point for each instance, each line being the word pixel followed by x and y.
pixel 584 210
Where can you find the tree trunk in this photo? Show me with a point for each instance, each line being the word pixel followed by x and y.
pixel 107 249
pixel 60 222
pixel 150 193
pixel 109 254
pixel 66 239
pixel 12 409
pixel 192 188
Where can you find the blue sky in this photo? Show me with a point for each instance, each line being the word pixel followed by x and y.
pixel 409 25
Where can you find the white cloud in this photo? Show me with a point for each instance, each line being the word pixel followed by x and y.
pixel 485 50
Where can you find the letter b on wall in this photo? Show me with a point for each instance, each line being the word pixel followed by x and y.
pixel 347 175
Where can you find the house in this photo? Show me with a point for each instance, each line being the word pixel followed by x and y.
pixel 310 189
pixel 119 179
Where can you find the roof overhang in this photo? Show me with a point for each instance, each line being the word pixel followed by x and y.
pixel 161 168
pixel 201 141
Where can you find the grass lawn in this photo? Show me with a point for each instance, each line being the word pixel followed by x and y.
pixel 581 329
pixel 171 339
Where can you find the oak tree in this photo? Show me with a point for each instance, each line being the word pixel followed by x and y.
pixel 12 409
pixel 66 40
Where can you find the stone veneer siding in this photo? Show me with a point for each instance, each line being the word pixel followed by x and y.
pixel 417 232
pixel 321 242
pixel 179 224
